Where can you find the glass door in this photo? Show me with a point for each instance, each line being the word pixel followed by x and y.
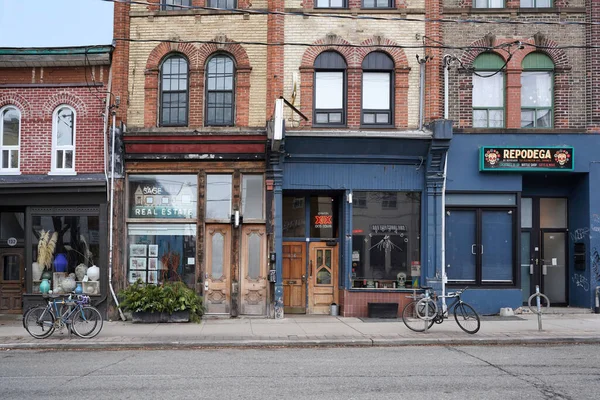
pixel 554 267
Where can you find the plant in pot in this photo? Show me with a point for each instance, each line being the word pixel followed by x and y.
pixel 167 302
pixel 45 253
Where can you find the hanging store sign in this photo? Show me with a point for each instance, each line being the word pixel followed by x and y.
pixel 526 158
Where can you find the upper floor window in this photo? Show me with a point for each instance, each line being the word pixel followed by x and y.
pixel 536 3
pixel 228 4
pixel 174 91
pixel 330 89
pixel 536 91
pixel 378 3
pixel 377 91
pixel 63 140
pixel 10 132
pixel 488 91
pixel 219 90
pixel 173 4
pixel 331 4
pixel 489 3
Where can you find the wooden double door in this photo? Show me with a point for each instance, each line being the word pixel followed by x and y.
pixel 235 277
pixel 12 280
pixel 310 279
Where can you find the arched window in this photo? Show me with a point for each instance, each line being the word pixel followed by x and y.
pixel 174 91
pixel 220 99
pixel 536 91
pixel 377 93
pixel 63 140
pixel 10 134
pixel 488 91
pixel 330 89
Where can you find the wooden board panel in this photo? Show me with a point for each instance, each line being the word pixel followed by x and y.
pixel 11 289
pixel 254 276
pixel 294 277
pixel 217 296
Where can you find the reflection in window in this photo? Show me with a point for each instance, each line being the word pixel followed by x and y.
pixel 220 90
pixel 254 256
pixel 252 197
pixel 323 217
pixel 377 89
pixel 294 217
pixel 330 83
pixel 218 197
pixel 169 5
pixel 12 224
pixel 12 268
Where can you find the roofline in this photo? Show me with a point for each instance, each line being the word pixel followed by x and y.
pixel 48 51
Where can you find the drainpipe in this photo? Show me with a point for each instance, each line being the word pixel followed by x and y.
pixel 422 62
pixel 446 68
pixel 105 130
pixel 111 218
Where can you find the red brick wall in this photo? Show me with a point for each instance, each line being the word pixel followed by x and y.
pixel 355 303
pixel 275 55
pixel 120 64
pixel 37 105
pixel 53 75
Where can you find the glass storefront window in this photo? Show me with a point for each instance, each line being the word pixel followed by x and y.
pixel 294 224
pixel 386 239
pixel 323 217
pixel 12 225
pixel 252 197
pixel 218 197
pixel 161 252
pixel 67 242
pixel 163 196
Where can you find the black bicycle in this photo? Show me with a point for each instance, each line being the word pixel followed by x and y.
pixel 422 313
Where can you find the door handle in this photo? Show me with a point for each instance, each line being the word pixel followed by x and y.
pixel 544 269
pixel 481 249
pixel 311 268
pixel 304 278
pixel 473 249
pixel 530 269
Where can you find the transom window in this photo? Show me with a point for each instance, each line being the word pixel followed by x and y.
pixel 488 91
pixel 330 89
pixel 536 3
pixel 63 139
pixel 378 3
pixel 228 4
pixel 219 90
pixel 331 4
pixel 10 132
pixel 169 5
pixel 489 3
pixel 174 91
pixel 536 91
pixel 377 89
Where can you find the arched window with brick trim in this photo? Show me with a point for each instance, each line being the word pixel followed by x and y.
pixel 172 5
pixel 537 91
pixel 220 91
pixel 174 88
pixel 64 127
pixel 488 91
pixel 377 92
pixel 330 89
pixel 10 134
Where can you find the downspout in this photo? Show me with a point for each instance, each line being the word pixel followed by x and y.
pixel 446 66
pixel 111 218
pixel 422 62
pixel 105 130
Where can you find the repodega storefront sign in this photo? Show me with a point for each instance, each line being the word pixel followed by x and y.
pixel 526 158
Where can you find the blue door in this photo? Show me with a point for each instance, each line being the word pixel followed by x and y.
pixel 461 243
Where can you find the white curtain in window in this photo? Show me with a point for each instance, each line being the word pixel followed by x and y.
pixel 329 90
pixel 488 91
pixel 376 91
pixel 536 89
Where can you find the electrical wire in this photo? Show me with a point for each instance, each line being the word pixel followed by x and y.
pixel 364 17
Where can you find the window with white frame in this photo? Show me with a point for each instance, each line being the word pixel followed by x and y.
pixel 63 139
pixel 536 91
pixel 488 4
pixel 331 4
pixel 378 3
pixel 170 5
pixel 536 3
pixel 488 91
pixel 227 4
pixel 377 91
pixel 10 133
pixel 330 89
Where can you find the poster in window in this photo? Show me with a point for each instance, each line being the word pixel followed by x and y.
pixel 152 250
pixel 153 277
pixel 135 275
pixel 137 263
pixel 153 263
pixel 137 250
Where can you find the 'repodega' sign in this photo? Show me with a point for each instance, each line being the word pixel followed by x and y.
pixel 526 158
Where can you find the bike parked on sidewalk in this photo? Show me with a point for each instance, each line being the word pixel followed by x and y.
pixel 73 312
pixel 421 313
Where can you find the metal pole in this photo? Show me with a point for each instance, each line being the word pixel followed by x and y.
pixel 446 85
pixel 421 92
pixel 539 306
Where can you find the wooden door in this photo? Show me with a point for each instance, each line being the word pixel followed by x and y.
pixel 294 278
pixel 12 280
pixel 323 280
pixel 217 286
pixel 254 270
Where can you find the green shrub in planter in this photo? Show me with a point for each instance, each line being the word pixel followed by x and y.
pixel 165 298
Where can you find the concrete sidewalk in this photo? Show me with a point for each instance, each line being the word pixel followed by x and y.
pixel 305 330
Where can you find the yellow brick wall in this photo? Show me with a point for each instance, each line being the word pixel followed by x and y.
pixel 354 31
pixel 298 4
pixel 205 27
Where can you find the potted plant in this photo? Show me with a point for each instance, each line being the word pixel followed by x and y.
pixel 46 247
pixel 167 302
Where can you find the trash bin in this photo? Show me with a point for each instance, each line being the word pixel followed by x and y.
pixel 333 309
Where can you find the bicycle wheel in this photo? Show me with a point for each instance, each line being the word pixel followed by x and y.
pixel 39 322
pixel 422 311
pixel 87 322
pixel 411 319
pixel 467 318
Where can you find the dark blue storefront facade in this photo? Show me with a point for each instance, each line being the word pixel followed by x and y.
pixel 510 229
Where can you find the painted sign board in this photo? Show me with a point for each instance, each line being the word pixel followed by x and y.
pixel 558 159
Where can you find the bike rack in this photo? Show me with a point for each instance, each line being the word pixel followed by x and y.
pixel 538 309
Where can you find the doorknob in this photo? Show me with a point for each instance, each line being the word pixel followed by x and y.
pixel 530 269
pixel 304 278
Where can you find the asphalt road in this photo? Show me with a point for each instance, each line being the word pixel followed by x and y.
pixel 424 372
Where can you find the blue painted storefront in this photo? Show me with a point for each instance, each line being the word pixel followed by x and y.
pixel 581 187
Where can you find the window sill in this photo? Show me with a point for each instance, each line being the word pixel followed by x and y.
pixel 63 173
pixel 2 172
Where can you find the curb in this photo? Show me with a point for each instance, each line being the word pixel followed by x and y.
pixel 268 343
